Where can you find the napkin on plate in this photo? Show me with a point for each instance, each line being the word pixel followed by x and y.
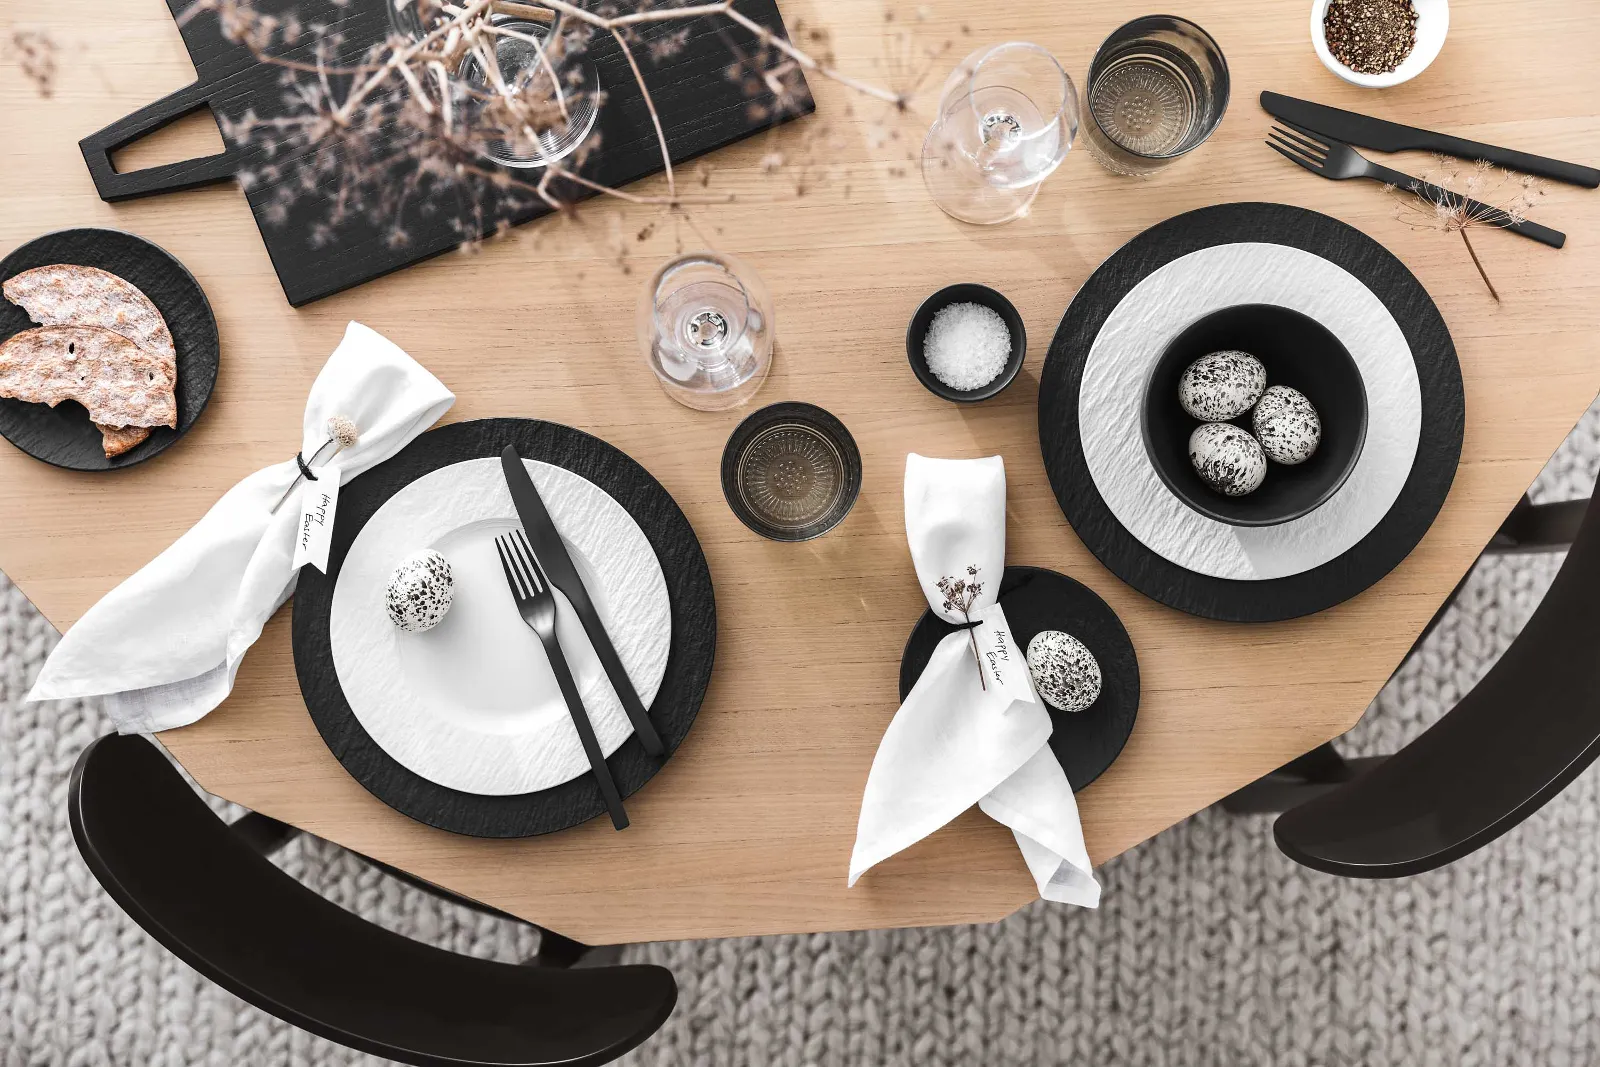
pixel 162 648
pixel 959 741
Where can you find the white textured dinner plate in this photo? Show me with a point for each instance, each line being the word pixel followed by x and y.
pixel 1159 308
pixel 472 704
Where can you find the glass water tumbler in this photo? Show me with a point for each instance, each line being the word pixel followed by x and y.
pixel 1158 87
pixel 705 327
pixel 1007 118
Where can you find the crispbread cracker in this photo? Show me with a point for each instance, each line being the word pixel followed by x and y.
pixel 120 383
pixel 65 294
pixel 119 439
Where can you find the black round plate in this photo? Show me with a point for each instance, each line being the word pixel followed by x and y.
pixel 1088 741
pixel 1438 450
pixel 63 435
pixel 694 629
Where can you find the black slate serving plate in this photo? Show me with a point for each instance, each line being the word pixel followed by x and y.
pixel 1088 741
pixel 694 629
pixel 63 435
pixel 1438 450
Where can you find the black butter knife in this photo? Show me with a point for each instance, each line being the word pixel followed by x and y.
pixel 1384 136
pixel 552 553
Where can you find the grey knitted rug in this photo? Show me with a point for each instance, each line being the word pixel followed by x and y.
pixel 1210 947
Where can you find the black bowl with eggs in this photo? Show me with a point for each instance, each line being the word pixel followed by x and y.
pixel 1296 351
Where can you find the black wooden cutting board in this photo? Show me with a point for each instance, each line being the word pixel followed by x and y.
pixel 701 109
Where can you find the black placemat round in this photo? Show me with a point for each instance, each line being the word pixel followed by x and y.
pixel 1438 450
pixel 694 629
pixel 63 435
pixel 1088 741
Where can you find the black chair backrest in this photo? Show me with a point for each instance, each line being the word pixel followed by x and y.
pixel 1524 732
pixel 228 912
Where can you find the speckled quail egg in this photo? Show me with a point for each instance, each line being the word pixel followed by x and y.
pixel 1221 386
pixel 1287 425
pixel 420 591
pixel 1064 672
pixel 1230 460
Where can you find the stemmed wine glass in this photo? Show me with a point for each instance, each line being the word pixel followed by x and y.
pixel 705 327
pixel 1007 118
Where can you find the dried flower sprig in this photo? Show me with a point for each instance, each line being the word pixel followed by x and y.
pixel 397 127
pixel 1479 194
pixel 959 595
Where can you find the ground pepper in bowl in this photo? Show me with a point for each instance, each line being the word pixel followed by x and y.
pixel 1370 36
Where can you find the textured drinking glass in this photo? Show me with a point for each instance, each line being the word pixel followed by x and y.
pixel 791 471
pixel 1157 88
pixel 1007 118
pixel 705 326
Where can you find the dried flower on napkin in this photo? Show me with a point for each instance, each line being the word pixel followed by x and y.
pixel 1514 194
pixel 959 595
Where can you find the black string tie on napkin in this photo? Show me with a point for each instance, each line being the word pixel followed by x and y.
pixel 342 434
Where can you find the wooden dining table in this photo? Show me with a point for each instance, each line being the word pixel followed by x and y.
pixel 748 829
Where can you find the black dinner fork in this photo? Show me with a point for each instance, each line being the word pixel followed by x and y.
pixel 536 603
pixel 1335 160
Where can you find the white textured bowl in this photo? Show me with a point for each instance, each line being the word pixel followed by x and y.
pixel 1433 22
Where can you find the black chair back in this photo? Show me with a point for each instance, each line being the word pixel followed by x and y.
pixel 1524 732
pixel 222 908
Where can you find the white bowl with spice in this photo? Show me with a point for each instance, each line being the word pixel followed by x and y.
pixel 966 342
pixel 1374 43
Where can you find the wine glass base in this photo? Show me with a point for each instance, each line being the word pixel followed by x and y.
pixel 962 194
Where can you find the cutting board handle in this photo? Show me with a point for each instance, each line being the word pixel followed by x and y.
pixel 168 177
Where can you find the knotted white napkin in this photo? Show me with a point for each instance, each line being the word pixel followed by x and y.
pixel 163 647
pixel 957 741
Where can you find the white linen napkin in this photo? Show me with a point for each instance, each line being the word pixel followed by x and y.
pixel 162 648
pixel 957 741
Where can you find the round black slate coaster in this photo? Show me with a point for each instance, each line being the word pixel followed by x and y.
pixel 63 435
pixel 1088 741
pixel 1438 450
pixel 694 629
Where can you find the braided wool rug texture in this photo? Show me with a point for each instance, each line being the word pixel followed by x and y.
pixel 1210 947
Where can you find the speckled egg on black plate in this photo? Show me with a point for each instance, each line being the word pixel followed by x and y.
pixel 420 591
pixel 1228 458
pixel 1064 671
pixel 1221 386
pixel 1287 425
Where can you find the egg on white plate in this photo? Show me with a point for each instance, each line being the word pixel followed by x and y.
pixel 1287 425
pixel 1222 385
pixel 1228 458
pixel 420 591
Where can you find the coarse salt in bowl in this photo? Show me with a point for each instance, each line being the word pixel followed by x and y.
pixel 966 343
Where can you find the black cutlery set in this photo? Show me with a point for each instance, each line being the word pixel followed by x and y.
pixel 1320 139
pixel 533 571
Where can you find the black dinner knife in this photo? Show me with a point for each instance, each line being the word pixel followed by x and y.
pixel 1385 136
pixel 553 557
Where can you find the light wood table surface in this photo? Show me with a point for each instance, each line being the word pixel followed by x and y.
pixel 749 828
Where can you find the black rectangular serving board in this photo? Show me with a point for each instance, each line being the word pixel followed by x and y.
pixel 701 109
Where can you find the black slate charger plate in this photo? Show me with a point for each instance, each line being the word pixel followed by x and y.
pixel 1432 471
pixel 689 662
pixel 63 435
pixel 1035 599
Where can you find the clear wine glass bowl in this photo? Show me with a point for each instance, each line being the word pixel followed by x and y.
pixel 1007 118
pixel 706 330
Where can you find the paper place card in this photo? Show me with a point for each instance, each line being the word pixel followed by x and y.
pixel 1005 667
pixel 314 535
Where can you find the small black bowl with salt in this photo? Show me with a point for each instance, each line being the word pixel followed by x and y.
pixel 966 343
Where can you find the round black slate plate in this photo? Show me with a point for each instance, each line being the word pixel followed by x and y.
pixel 1088 741
pixel 694 629
pixel 63 435
pixel 1438 451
